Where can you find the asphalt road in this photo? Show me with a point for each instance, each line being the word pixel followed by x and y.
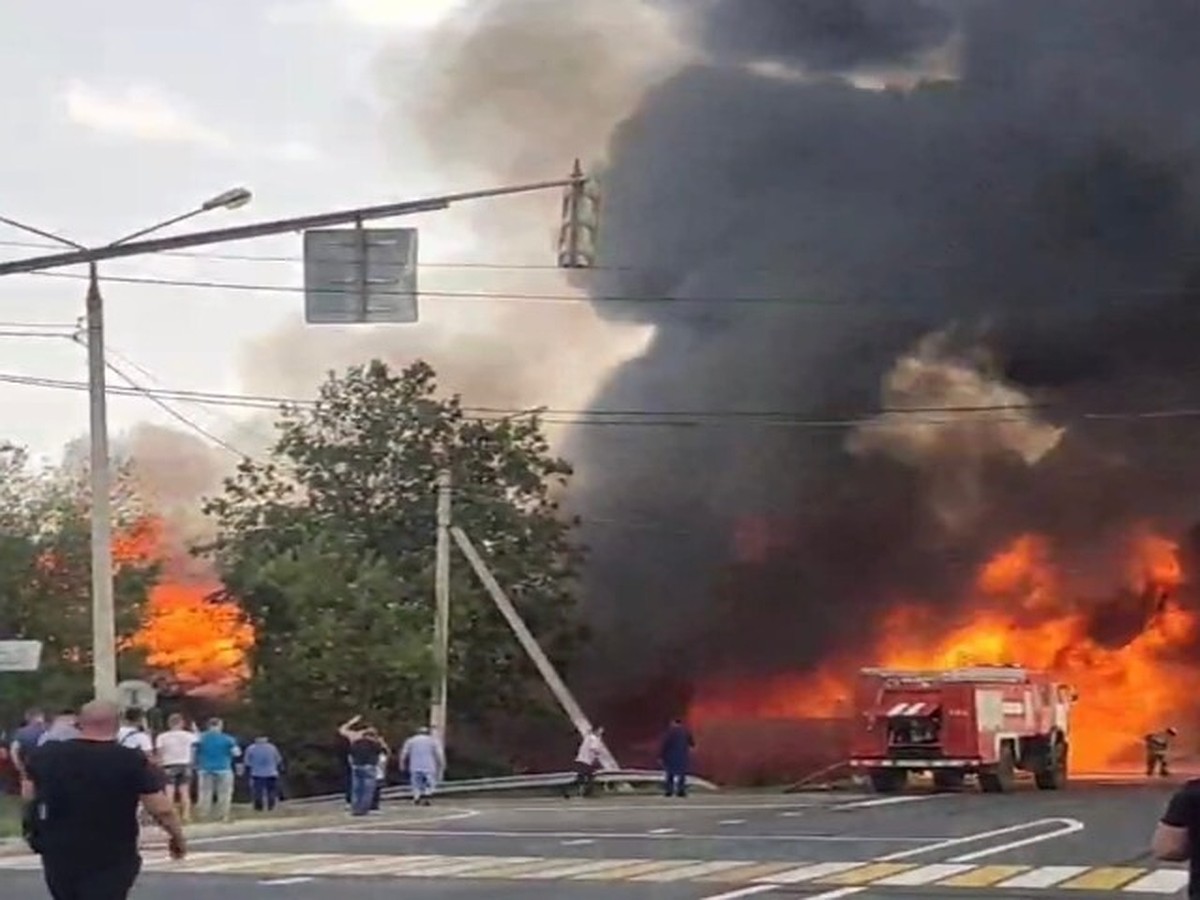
pixel 1091 837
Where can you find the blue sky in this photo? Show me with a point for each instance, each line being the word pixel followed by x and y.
pixel 121 114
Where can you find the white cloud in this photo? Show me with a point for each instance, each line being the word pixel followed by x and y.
pixel 407 14
pixel 140 112
pixel 146 113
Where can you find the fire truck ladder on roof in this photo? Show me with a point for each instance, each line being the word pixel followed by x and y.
pixel 1007 674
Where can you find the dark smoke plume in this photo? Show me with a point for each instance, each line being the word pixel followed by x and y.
pixel 1023 231
pixel 825 35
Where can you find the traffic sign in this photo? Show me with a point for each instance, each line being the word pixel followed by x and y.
pixel 20 656
pixel 137 695
pixel 360 276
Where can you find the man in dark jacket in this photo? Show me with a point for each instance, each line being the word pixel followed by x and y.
pixel 676 754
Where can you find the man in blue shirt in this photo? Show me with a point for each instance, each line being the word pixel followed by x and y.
pixel 676 755
pixel 263 762
pixel 215 753
pixel 26 739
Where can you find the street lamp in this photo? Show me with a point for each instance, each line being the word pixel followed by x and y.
pixel 104 629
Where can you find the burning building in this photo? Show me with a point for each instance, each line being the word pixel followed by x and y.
pixel 927 275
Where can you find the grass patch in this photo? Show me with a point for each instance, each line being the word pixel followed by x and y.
pixel 10 816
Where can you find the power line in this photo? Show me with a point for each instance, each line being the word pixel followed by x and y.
pixel 241 257
pixel 521 296
pixel 936 416
pixel 174 413
pixel 69 326
pixel 518 296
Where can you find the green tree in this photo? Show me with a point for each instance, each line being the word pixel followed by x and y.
pixel 329 546
pixel 45 581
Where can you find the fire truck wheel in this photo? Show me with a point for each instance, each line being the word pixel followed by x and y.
pixel 1000 778
pixel 948 779
pixel 888 781
pixel 1053 776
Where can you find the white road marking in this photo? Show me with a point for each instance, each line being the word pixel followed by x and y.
pixel 662 831
pixel 793 814
pixel 1072 825
pixel 888 801
pixel 642 835
pixel 689 873
pixel 923 875
pixel 573 868
pixel 559 807
pixel 743 892
pixel 732 822
pixel 808 873
pixel 836 895
pixel 449 816
pixel 1043 877
pixel 284 882
pixel 1163 881
pixel 577 842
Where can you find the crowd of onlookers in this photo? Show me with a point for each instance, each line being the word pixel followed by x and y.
pixel 200 766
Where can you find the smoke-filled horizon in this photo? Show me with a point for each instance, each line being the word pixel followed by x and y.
pixel 1019 227
pixel 1024 230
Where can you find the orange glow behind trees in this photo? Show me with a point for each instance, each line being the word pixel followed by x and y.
pixel 187 632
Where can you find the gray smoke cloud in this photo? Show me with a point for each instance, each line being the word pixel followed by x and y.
pixel 508 92
pixel 1040 207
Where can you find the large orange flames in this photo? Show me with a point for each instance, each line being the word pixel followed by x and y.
pixel 199 643
pixel 1133 678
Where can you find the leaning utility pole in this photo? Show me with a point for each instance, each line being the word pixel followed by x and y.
pixel 441 622
pixel 557 687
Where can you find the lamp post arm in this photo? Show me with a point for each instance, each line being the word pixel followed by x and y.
pixel 264 229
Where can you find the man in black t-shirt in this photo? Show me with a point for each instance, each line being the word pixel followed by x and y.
pixel 364 767
pixel 1177 837
pixel 86 793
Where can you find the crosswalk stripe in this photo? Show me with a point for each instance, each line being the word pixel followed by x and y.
pixel 577 868
pixel 983 876
pixel 1103 879
pixel 752 875
pixel 359 865
pixel 687 873
pixel 382 865
pixel 466 865
pixel 19 862
pixel 748 872
pixel 1160 881
pixel 868 874
pixel 924 875
pixel 1043 877
pixel 513 869
pixel 629 871
pixel 810 872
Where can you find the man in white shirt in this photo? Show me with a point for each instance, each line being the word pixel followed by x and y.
pixel 587 763
pixel 176 750
pixel 133 733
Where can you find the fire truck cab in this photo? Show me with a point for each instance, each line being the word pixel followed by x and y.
pixel 986 721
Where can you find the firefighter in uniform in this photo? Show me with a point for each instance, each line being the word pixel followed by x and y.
pixel 1157 745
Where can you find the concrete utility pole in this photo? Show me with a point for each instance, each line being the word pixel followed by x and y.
pixel 104 616
pixel 557 686
pixel 441 622
pixel 104 626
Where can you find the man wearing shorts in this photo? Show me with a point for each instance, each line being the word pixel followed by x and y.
pixel 176 749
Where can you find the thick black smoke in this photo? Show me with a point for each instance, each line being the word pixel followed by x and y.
pixel 829 35
pixel 1039 210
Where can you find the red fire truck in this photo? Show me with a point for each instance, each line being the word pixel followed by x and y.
pixel 987 721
